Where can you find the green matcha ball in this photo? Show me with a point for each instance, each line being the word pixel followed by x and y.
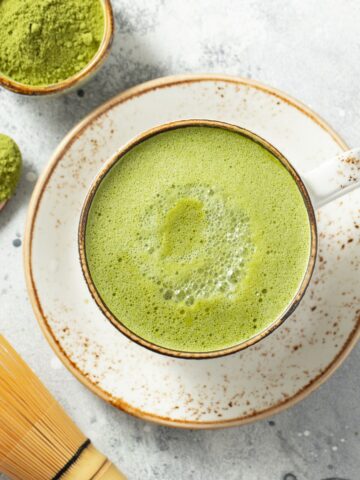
pixel 10 166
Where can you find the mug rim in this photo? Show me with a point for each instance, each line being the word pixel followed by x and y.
pixel 79 77
pixel 105 169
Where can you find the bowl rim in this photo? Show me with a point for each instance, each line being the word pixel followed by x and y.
pixel 82 234
pixel 79 77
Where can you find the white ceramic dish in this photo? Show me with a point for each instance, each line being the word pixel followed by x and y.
pixel 255 383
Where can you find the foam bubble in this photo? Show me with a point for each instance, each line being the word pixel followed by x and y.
pixel 183 231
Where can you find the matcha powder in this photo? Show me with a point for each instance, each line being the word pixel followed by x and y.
pixel 43 42
pixel 10 166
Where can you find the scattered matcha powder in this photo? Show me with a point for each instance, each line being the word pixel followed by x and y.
pixel 43 42
pixel 10 166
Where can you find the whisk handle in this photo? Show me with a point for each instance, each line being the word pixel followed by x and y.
pixel 92 465
pixel 109 472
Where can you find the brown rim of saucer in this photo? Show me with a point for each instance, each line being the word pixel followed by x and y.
pixel 78 78
pixel 117 322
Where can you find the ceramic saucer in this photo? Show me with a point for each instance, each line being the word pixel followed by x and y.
pixel 252 384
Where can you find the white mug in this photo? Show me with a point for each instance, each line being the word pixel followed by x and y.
pixel 329 181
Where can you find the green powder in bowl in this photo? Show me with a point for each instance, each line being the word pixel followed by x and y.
pixel 10 167
pixel 43 42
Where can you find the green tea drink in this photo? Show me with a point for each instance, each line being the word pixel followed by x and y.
pixel 197 239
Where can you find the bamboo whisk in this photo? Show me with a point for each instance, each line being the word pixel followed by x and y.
pixel 38 440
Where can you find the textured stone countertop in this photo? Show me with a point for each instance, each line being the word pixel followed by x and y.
pixel 308 49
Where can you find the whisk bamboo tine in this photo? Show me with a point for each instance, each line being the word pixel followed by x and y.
pixel 38 440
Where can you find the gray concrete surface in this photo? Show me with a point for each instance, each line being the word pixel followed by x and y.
pixel 309 49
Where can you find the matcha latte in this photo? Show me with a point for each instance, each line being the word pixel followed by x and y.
pixel 197 239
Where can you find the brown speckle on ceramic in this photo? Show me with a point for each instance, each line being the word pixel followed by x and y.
pixel 257 382
pixel 351 171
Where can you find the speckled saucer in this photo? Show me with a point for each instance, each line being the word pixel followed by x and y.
pixel 252 384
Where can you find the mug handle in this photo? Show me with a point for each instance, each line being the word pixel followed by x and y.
pixel 333 178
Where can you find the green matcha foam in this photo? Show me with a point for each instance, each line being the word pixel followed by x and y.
pixel 197 239
pixel 193 223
